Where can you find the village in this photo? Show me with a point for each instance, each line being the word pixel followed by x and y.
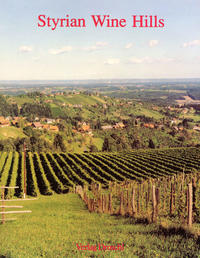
pixel 51 124
pixel 84 119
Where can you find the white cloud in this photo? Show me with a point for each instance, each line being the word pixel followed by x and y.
pixel 153 43
pixel 136 60
pixel 25 49
pixel 150 60
pixel 129 45
pixel 61 50
pixel 97 46
pixel 112 61
pixel 192 43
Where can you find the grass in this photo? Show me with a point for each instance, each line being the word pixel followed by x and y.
pixel 80 99
pixel 21 100
pixel 98 142
pixel 196 118
pixel 10 131
pixel 59 222
pixel 76 147
pixel 148 113
pixel 56 110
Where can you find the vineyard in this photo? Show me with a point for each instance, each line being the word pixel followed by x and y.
pixel 47 173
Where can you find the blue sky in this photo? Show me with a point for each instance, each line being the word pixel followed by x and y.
pixel 28 52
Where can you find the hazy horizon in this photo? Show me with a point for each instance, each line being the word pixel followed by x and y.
pixel 103 80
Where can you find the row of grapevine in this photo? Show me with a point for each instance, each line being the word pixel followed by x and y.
pixel 47 173
pixel 92 173
pixel 7 169
pixel 69 169
pixel 42 180
pixel 59 171
pixel 32 186
pixel 12 180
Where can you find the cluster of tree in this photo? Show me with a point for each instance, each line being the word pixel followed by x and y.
pixel 34 94
pixel 7 109
pixel 146 119
pixel 33 143
pixel 41 110
pixel 115 142
pixel 111 144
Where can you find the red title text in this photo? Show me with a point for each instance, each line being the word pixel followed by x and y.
pixel 100 21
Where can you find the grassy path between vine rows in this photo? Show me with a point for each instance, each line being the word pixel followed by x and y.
pixel 59 222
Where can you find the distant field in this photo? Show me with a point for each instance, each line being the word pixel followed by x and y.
pixel 80 99
pixel 21 100
pixel 56 110
pixel 13 132
pixel 147 112
pixel 187 100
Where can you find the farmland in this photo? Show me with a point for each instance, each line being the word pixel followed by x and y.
pixel 48 173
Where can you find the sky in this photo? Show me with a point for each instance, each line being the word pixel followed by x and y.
pixel 29 52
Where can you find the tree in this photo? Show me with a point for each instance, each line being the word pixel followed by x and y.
pixel 19 143
pixel 61 127
pixel 28 130
pixel 98 124
pixel 93 148
pixel 181 138
pixel 151 144
pixel 135 144
pixel 59 143
pixel 106 146
pixel 185 123
pixel 172 133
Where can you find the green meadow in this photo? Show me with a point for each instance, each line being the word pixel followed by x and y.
pixel 60 222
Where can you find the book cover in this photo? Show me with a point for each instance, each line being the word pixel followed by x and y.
pixel 99 128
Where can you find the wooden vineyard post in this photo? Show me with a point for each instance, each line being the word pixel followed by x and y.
pixel 99 205
pixel 138 198
pixel 194 188
pixel 105 204
pixel 99 187
pixel 146 201
pixel 157 191
pixel 174 194
pixel 110 209
pixel 121 210
pixel 24 170
pixel 182 184
pixel 154 203
pixel 171 199
pixel 85 197
pixel 102 203
pixel 129 210
pixel 190 197
pixel 133 202
pixel 3 208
